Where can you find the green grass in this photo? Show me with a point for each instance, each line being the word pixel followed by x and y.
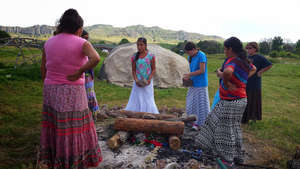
pixel 9 55
pixel 21 104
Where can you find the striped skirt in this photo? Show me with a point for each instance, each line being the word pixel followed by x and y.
pixel 68 136
pixel 197 103
pixel 222 133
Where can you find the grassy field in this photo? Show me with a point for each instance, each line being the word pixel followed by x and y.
pixel 21 105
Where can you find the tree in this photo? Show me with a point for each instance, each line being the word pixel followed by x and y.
pixel 210 47
pixel 3 34
pixel 123 41
pixel 288 47
pixel 264 47
pixel 101 42
pixel 298 47
pixel 277 43
pixel 179 48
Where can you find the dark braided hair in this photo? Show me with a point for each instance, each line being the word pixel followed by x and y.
pixel 141 39
pixel 69 22
pixel 188 47
pixel 237 47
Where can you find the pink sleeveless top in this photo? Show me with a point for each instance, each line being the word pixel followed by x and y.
pixel 64 56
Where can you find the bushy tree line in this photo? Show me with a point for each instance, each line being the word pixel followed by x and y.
pixel 207 46
pixel 277 47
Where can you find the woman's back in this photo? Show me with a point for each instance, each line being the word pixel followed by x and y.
pixel 64 56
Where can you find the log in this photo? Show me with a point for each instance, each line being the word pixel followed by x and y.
pixel 115 114
pixel 117 140
pixel 174 142
pixel 145 125
pixel 144 115
pixel 188 119
pixel 184 119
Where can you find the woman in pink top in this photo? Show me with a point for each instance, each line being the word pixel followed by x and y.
pixel 68 136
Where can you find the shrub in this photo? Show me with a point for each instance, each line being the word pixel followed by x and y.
pixel 123 41
pixel 274 60
pixel 3 34
pixel 274 54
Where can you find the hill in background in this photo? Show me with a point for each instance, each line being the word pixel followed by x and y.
pixel 115 34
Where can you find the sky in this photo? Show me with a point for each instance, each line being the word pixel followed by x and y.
pixel 252 20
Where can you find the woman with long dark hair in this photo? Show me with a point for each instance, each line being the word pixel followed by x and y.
pixel 197 99
pixel 143 68
pixel 222 132
pixel 68 135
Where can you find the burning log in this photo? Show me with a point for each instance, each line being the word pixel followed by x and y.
pixel 117 140
pixel 145 125
pixel 174 142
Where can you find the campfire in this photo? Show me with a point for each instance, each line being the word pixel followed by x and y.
pixel 157 141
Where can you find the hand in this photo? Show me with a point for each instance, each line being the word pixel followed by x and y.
pixel 259 73
pixel 148 82
pixel 137 82
pixel 75 76
pixel 219 73
pixel 186 76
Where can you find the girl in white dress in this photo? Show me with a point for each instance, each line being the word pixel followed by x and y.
pixel 143 68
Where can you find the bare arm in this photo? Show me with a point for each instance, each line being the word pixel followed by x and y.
pixel 226 78
pixel 134 71
pixel 198 72
pixel 43 66
pixel 252 71
pixel 94 58
pixel 219 73
pixel 259 73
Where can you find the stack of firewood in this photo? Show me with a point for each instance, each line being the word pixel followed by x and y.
pixel 128 121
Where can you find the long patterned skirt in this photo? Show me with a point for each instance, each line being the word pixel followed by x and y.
pixel 68 135
pixel 222 134
pixel 197 103
pixel 90 92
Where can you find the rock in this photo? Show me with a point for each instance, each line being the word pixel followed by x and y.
pixel 297 154
pixel 293 164
pixel 164 109
pixel 170 66
pixel 172 165
pixel 160 164
pixel 104 108
pixel 192 164
pixel 140 137
pixel 101 116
